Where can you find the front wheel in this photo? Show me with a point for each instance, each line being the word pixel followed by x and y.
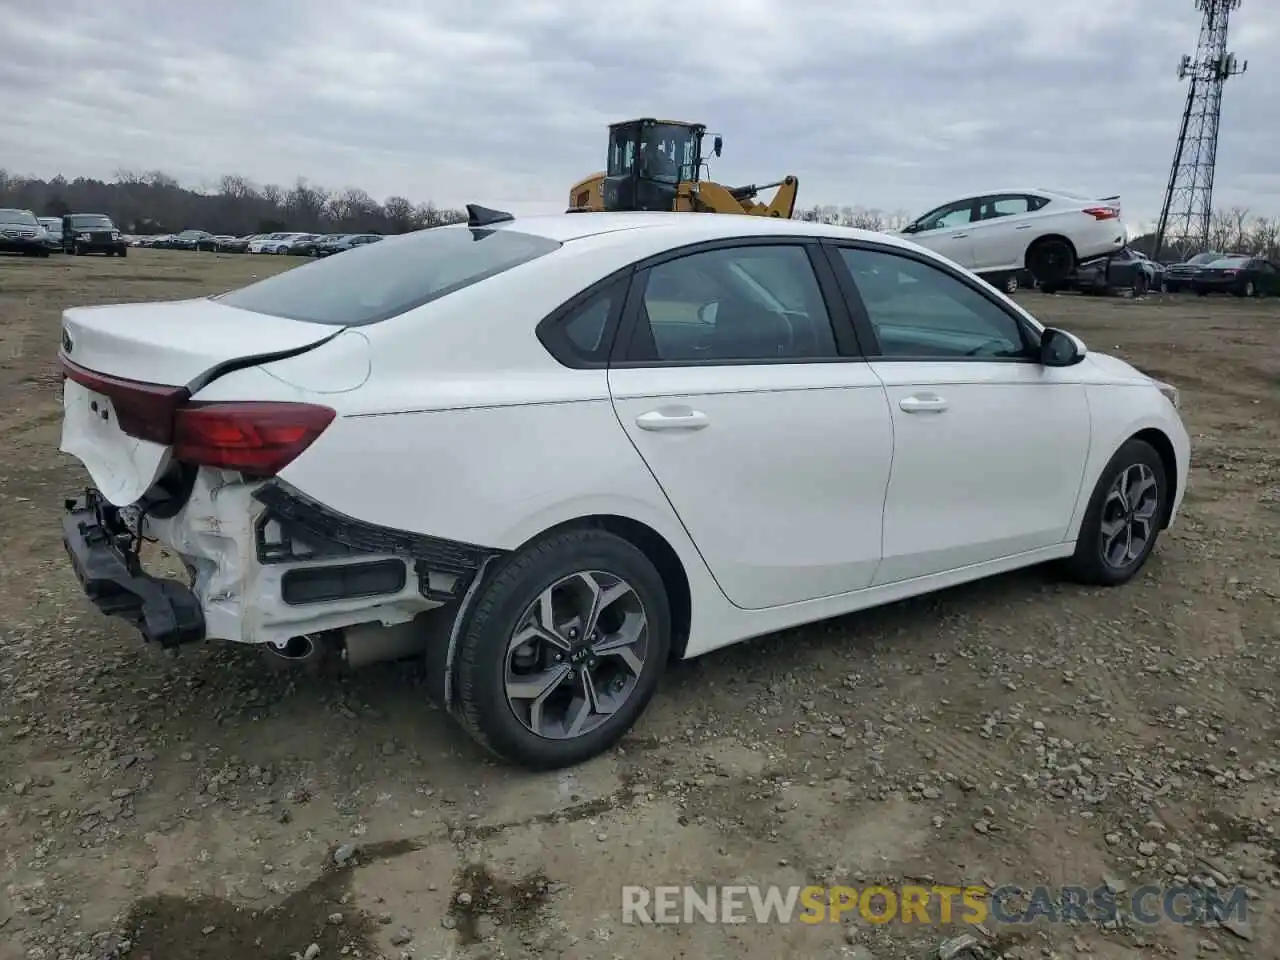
pixel 1124 517
pixel 564 649
pixel 1250 289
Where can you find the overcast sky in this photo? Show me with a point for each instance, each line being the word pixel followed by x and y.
pixel 892 104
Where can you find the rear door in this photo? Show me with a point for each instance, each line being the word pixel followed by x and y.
pixel 1001 232
pixel 744 393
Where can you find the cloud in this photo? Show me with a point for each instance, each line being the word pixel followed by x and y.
pixel 896 104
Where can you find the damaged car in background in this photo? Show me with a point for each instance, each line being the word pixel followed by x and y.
pixel 551 454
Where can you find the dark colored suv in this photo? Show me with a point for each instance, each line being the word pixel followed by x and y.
pixel 84 233
pixel 20 232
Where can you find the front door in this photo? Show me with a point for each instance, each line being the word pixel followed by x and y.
pixel 772 444
pixel 989 445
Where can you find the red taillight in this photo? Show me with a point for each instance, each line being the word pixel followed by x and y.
pixel 254 438
pixel 142 410
pixel 1103 213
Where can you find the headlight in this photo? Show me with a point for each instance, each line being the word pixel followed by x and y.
pixel 1170 392
pixel 83 236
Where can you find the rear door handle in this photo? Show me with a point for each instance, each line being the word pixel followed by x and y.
pixel 923 403
pixel 672 418
pixel 1023 226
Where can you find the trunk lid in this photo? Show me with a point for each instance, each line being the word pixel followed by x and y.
pixel 130 366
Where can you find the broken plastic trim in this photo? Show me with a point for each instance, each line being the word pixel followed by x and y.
pixel 290 504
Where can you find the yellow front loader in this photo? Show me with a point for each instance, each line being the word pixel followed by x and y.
pixel 657 165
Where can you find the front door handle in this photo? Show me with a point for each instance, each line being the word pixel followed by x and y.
pixel 1023 226
pixel 958 236
pixel 923 403
pixel 672 418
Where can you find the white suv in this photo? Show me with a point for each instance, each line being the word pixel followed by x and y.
pixel 1048 233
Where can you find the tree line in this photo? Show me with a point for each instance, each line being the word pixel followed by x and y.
pixel 156 203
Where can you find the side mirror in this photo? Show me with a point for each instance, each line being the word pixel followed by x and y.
pixel 717 145
pixel 1060 349
pixel 911 228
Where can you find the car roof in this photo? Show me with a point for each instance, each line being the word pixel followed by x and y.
pixel 679 228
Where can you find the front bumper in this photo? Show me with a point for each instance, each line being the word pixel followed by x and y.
pixel 165 611
pixel 21 244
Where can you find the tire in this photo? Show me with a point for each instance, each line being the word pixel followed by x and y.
pixel 78 250
pixel 1172 288
pixel 124 251
pixel 1051 260
pixel 1250 288
pixel 1135 460
pixel 1011 283
pixel 485 656
pixel 1140 285
pixel 1202 293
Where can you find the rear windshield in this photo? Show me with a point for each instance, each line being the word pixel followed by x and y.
pixel 375 281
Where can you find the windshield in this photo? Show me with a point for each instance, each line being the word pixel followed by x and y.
pixel 671 151
pixel 1229 262
pixel 1202 258
pixel 24 217
pixel 86 221
pixel 373 282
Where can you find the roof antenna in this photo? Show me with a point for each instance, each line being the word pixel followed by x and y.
pixel 478 216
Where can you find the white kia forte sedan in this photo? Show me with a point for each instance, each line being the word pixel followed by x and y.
pixel 551 454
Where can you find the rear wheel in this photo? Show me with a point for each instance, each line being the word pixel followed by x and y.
pixel 1140 284
pixel 1124 517
pixel 1051 260
pixel 564 649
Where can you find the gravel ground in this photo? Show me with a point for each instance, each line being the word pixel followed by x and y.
pixel 1015 731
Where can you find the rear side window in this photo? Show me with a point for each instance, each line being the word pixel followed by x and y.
pixel 372 282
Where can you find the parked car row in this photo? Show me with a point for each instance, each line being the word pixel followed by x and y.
pixel 21 231
pixel 284 242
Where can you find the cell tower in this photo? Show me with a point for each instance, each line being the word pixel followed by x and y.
pixel 1188 199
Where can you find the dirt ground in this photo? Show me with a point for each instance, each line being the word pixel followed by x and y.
pixel 1015 731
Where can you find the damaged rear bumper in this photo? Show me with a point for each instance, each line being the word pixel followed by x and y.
pixel 268 564
pixel 165 611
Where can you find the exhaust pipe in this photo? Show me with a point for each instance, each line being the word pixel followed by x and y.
pixel 306 650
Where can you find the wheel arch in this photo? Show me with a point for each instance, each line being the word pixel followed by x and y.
pixel 1160 441
pixel 658 550
pixel 1043 238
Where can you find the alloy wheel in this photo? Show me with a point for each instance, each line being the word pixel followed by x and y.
pixel 576 655
pixel 1129 516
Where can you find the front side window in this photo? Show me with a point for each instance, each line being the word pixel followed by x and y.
pixel 669 150
pixel 760 303
pixel 919 311
pixel 952 215
pixel 375 281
